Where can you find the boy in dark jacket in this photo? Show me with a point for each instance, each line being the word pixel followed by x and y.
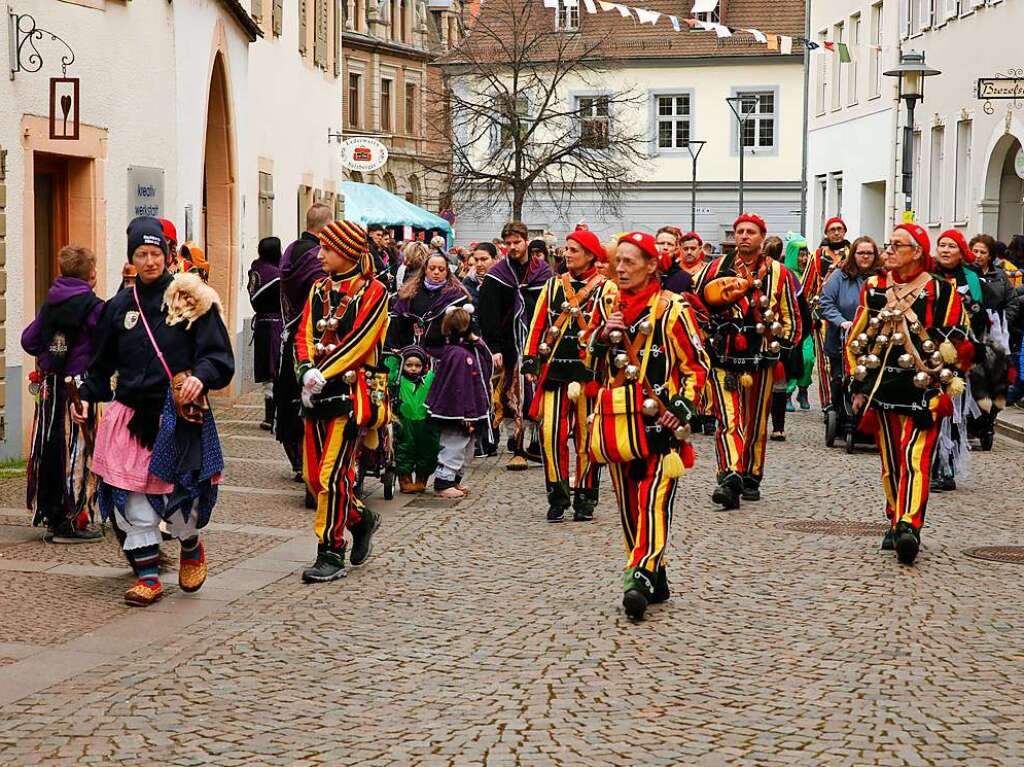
pixel 61 338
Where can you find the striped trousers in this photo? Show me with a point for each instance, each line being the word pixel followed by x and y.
pixel 329 457
pixel 741 413
pixel 560 419
pixel 907 454
pixel 823 364
pixel 645 497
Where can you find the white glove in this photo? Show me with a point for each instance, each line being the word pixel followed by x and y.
pixel 307 398
pixel 314 381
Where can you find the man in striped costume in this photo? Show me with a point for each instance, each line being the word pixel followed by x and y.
pixel 552 361
pixel 337 347
pixel 646 354
pixel 907 352
pixel 753 320
pixel 826 259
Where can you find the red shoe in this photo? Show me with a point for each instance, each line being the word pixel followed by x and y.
pixel 143 594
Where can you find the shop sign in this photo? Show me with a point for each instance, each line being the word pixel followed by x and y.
pixel 64 108
pixel 363 154
pixel 145 191
pixel 1001 87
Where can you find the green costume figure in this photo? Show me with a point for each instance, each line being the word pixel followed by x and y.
pixel 797 256
pixel 416 437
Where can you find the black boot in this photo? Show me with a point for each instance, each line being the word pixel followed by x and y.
pixel 661 592
pixel 908 543
pixel 268 414
pixel 639 592
pixel 362 538
pixel 727 494
pixel 558 500
pixel 66 532
pixel 310 500
pixel 751 488
pixel 329 566
pixel 583 505
pixel 889 541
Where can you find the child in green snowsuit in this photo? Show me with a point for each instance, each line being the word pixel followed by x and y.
pixel 416 438
pixel 797 256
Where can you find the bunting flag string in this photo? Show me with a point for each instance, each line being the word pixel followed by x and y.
pixel 779 43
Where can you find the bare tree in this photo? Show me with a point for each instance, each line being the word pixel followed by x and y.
pixel 505 106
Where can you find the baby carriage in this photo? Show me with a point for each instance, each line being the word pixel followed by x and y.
pixel 840 420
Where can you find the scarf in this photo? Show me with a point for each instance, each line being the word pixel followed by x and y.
pixel 903 280
pixel 430 285
pixel 633 302
pixel 585 276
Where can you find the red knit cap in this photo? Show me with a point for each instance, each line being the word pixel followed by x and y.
pixel 590 242
pixel 170 233
pixel 835 220
pixel 955 236
pixel 348 239
pixel 692 236
pixel 642 240
pixel 921 238
pixel 751 218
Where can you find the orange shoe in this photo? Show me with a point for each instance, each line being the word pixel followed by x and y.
pixel 192 572
pixel 143 594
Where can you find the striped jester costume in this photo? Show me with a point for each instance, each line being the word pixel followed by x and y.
pixel 746 339
pixel 553 353
pixel 822 263
pixel 341 333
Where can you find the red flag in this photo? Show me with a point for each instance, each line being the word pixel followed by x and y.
pixel 829 45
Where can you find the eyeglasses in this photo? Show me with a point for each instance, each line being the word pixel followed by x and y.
pixel 894 245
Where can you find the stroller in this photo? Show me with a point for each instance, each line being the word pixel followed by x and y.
pixel 840 420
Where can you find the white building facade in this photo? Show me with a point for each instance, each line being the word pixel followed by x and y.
pixel 211 113
pixel 968 171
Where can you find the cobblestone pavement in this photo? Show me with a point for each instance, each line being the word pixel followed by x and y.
pixel 480 635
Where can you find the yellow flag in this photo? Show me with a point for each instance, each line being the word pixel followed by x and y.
pixel 908 217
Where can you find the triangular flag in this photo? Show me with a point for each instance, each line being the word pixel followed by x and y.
pixel 553 4
pixel 829 45
pixel 758 35
pixel 605 6
pixel 785 45
pixel 811 45
pixel 773 41
pixel 844 54
pixel 623 10
pixel 675 22
pixel 647 17
pixel 589 4
pixel 722 31
pixel 704 6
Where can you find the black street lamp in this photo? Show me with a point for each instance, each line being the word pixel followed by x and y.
pixel 694 147
pixel 911 73
pixel 743 107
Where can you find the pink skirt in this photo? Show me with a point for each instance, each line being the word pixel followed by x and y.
pixel 119 459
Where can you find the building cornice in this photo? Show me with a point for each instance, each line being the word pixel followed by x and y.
pixel 359 41
pixel 644 62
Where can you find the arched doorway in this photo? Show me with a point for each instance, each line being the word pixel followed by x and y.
pixel 1002 207
pixel 219 229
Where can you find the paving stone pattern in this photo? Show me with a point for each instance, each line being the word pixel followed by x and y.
pixel 480 635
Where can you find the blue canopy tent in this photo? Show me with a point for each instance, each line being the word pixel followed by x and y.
pixel 368 204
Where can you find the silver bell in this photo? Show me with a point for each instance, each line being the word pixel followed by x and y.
pixel 575 311
pixel 769 315
pixel 776 328
pixel 928 346
pixel 898 338
pixel 552 335
pixel 632 372
pixel 757 284
pixel 905 361
pixel 855 345
pixel 863 339
pixel 882 339
pixel 860 372
pixel 650 406
pixel 615 336
pixel 319 347
pixel 874 322
pixel 872 362
pixel 774 347
pixel 935 358
pixel 759 328
pixel 945 376
pixel 921 380
pixel 883 315
pixel 544 350
pixel 321 325
pixel 915 327
pixel 645 327
pixel 764 301
pixel 621 360
pixel 331 348
pixel 862 360
pixel 566 306
pixel 682 432
pixel 349 377
pixel 332 323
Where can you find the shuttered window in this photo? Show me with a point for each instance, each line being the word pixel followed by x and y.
pixel 278 14
pixel 338 25
pixel 266 205
pixel 302 27
pixel 257 10
pixel 320 33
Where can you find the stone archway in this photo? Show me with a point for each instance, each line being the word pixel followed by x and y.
pixel 220 233
pixel 1002 205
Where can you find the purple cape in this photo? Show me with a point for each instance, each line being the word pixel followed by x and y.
pixel 461 390
pixel 300 268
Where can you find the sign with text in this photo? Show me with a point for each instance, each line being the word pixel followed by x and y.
pixel 363 154
pixel 145 191
pixel 1001 87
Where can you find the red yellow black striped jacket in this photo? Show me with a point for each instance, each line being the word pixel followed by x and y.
pixel 740 335
pixel 886 372
pixel 821 264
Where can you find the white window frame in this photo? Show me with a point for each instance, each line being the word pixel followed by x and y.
pixel 773 116
pixel 657 119
pixel 821 184
pixel 876 36
pixel 964 169
pixel 852 68
pixel 915 160
pixel 936 171
pixel 712 17
pixel 567 16
pixel 593 103
pixel 821 91
pixel 838 32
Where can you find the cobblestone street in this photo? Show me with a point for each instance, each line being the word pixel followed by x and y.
pixel 478 634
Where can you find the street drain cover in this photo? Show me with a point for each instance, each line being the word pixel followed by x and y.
pixel 827 527
pixel 1012 554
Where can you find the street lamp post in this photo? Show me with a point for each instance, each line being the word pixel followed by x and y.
pixel 910 73
pixel 736 104
pixel 694 147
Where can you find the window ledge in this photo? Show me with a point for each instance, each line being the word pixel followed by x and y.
pixel 959 223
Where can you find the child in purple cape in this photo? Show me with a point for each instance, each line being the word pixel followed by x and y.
pixel 459 399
